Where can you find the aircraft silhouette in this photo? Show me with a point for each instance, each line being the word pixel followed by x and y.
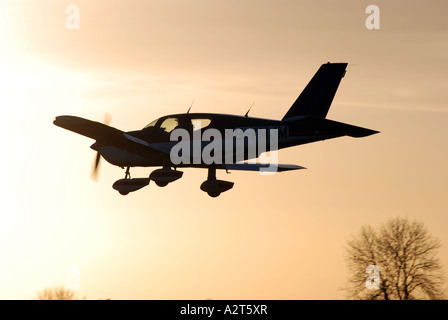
pixel 151 146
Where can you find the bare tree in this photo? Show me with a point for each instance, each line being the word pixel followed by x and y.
pixel 403 258
pixel 56 293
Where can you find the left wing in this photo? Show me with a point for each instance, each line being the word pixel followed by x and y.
pixel 88 128
pixel 262 167
pixel 109 135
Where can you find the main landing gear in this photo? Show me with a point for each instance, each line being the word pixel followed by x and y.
pixel 165 175
pixel 215 187
pixel 160 176
pixel 126 185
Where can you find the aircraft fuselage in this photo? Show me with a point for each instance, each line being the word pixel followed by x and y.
pixel 289 133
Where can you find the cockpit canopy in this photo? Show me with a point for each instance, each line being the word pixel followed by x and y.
pixel 165 125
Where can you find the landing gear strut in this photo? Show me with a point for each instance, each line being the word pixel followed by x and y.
pixel 127 174
pixel 211 176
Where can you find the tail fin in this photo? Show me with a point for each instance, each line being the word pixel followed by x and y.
pixel 316 98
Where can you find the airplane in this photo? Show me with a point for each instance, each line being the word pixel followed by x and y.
pixel 304 122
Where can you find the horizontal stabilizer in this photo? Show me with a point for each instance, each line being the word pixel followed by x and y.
pixel 334 127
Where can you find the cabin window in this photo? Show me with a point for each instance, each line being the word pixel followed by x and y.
pixel 200 123
pixel 169 124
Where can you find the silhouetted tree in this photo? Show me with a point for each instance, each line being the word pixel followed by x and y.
pixel 403 258
pixel 56 293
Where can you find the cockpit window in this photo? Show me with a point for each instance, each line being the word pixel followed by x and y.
pixel 163 126
pixel 152 124
pixel 169 124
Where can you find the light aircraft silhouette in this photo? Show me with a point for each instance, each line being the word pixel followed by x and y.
pixel 151 146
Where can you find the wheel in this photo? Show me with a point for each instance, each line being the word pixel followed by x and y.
pixel 123 193
pixel 161 184
pixel 214 194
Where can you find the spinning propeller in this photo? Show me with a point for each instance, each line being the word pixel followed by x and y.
pixel 96 164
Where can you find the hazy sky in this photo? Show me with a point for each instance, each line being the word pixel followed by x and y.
pixel 270 237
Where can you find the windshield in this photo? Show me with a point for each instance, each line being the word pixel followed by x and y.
pixel 152 124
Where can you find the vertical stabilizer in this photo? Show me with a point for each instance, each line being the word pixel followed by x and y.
pixel 316 98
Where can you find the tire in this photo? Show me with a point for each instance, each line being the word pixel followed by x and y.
pixel 161 184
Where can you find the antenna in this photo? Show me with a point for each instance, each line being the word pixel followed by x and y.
pixel 247 113
pixel 190 107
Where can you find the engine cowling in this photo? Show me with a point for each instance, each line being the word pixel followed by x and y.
pixel 215 187
pixel 164 176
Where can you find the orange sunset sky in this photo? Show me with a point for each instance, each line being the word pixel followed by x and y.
pixel 270 237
